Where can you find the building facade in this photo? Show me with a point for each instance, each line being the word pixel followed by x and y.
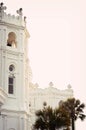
pixel 51 95
pixel 14 71
pixel 19 98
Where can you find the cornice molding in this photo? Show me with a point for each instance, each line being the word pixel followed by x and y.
pixel 11 25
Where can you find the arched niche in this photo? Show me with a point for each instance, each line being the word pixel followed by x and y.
pixel 11 40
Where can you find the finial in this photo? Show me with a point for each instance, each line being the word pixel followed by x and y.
pixel 2 8
pixel 20 12
pixel 69 86
pixel 25 18
pixel 51 84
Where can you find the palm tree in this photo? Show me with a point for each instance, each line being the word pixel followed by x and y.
pixel 75 110
pixel 51 119
pixel 62 118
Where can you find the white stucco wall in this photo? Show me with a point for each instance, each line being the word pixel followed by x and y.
pixel 51 95
pixel 14 107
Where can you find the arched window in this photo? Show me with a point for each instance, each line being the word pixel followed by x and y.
pixel 11 41
pixel 11 85
pixel 11 79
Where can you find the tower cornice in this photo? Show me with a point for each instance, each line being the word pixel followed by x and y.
pixel 12 25
pixel 18 19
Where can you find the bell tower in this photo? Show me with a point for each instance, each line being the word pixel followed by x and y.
pixel 14 70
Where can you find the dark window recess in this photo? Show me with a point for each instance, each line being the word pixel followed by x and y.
pixel 11 85
pixel 11 67
pixel 8 44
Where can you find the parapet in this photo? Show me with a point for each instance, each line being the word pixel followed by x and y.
pixel 12 19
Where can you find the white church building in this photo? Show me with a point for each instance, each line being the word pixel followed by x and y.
pixel 19 97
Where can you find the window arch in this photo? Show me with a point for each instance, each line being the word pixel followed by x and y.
pixel 11 41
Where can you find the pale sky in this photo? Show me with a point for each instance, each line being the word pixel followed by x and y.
pixel 57 44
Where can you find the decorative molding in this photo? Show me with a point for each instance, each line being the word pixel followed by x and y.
pixel 12 25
